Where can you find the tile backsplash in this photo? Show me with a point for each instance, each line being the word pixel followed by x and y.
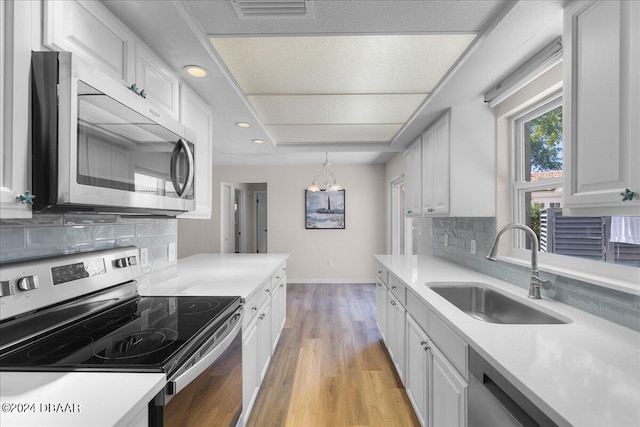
pixel 616 306
pixel 57 234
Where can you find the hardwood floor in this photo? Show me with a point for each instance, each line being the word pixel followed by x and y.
pixel 330 367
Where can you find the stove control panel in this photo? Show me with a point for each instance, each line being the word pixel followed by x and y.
pixel 31 285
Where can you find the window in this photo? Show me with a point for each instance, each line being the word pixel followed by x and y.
pixel 537 196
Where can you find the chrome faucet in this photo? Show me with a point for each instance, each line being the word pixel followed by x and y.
pixel 536 282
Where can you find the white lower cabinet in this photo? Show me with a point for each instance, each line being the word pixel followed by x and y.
pixel 264 339
pixel 418 369
pixel 396 325
pixel 448 402
pixel 250 374
pixel 279 314
pixel 381 309
pixel 264 317
pixel 432 365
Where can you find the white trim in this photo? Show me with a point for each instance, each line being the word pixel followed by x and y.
pixel 540 63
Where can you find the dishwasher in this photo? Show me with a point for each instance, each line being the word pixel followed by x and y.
pixel 494 401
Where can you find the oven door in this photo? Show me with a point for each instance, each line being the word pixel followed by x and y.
pixel 207 389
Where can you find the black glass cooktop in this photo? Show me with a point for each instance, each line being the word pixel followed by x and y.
pixel 141 334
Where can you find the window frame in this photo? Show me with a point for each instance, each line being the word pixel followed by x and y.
pixel 613 276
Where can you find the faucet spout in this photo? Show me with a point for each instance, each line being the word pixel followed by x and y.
pixel 536 282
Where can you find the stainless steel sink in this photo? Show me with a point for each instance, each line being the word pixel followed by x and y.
pixel 483 303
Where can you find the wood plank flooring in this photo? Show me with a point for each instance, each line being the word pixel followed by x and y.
pixel 331 367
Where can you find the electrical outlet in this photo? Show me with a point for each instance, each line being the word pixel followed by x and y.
pixel 330 263
pixel 473 247
pixel 144 257
pixel 446 240
pixel 171 251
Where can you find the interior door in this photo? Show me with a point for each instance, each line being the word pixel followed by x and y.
pixel 225 218
pixel 261 222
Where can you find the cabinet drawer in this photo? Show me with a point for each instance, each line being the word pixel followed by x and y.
pixel 418 310
pixel 278 276
pixel 398 289
pixel 382 274
pixel 453 347
pixel 255 301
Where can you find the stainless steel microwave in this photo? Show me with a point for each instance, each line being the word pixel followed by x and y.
pixel 98 146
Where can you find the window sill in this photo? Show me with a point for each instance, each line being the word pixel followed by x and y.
pixel 596 278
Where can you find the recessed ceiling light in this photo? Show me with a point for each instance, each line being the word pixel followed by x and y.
pixel 243 125
pixel 195 70
pixel 257 141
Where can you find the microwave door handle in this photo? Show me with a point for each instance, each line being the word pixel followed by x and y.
pixel 175 156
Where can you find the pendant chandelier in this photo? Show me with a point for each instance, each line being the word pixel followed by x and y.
pixel 325 180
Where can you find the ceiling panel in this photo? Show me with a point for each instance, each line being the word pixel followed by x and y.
pixel 338 109
pixel 332 133
pixel 340 64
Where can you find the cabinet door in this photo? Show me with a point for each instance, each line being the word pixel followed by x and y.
pixel 448 393
pixel 279 311
pixel 417 369
pixel 441 166
pixel 264 339
pixel 428 172
pixel 158 81
pixel 15 62
pixel 88 29
pixel 396 334
pixel 250 373
pixel 196 115
pixel 381 309
pixel 601 107
pixel 413 178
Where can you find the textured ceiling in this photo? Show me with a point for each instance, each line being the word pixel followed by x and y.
pixel 179 31
pixel 341 89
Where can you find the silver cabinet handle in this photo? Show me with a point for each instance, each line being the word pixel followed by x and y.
pixel 261 317
pixel 254 308
pixel 424 345
pixel 393 303
pixel 282 285
pixel 268 291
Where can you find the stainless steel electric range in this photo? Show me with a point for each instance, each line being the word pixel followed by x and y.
pixel 82 312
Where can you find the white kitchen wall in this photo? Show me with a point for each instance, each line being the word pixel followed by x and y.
pixel 350 251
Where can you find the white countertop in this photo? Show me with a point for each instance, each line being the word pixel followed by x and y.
pixel 110 399
pixel 585 373
pixel 216 274
pixel 75 398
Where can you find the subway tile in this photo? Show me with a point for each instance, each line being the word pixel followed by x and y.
pixel 116 231
pixel 48 236
pixel 158 253
pixel 88 219
pixel 12 238
pixel 36 219
pixel 621 315
pixel 157 228
pixel 31 253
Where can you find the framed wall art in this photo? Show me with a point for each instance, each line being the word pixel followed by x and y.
pixel 324 210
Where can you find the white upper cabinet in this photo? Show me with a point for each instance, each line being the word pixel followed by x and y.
pixel 157 80
pixel 456 167
pixel 413 179
pixel 435 168
pixel 88 29
pixel 602 107
pixel 197 115
pixel 15 62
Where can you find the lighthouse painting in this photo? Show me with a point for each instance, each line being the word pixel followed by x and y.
pixel 324 210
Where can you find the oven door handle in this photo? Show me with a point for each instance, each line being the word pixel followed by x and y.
pixel 174 385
